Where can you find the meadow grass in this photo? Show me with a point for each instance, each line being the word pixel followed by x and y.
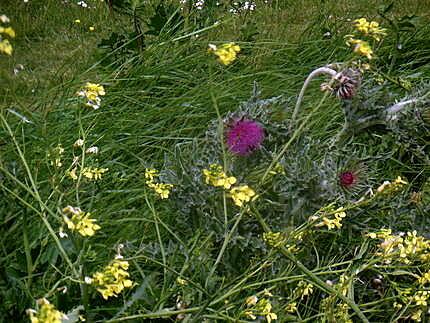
pixel 161 110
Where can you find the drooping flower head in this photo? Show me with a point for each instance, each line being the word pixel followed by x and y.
pixel 244 136
pixel 347 83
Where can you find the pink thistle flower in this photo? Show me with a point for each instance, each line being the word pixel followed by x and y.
pixel 244 136
pixel 348 179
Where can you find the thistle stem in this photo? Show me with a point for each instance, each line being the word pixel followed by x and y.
pixel 311 76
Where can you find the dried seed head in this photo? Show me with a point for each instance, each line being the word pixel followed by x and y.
pixel 347 83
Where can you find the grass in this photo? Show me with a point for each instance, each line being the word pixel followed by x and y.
pixel 162 109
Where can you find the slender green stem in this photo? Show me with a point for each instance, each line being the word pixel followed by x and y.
pixel 224 246
pixel 160 241
pixel 27 251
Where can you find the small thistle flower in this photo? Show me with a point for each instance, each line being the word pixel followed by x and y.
pixel 348 179
pixel 244 136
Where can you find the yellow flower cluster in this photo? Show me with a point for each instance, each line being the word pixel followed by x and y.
pixel 304 289
pixel 80 221
pixel 370 28
pixel 261 307
pixel 226 53
pixel 291 307
pixel 331 221
pixel 425 278
pixel 216 177
pixel 5 45
pixel 92 93
pixel 404 248
pixel 56 156
pixel 162 189
pixel 92 173
pixel 113 279
pixel 361 47
pixel 390 187
pixel 274 239
pixel 420 298
pixel 47 313
pixel 242 194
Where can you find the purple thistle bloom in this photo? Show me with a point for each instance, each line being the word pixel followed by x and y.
pixel 244 136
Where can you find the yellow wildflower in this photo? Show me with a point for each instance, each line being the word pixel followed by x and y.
pixel 94 173
pixel 92 93
pixel 162 189
pixel 273 239
pixel 251 300
pixel 77 21
pixel 242 194
pixel 113 279
pixel 47 313
pixel 216 177
pixel 226 53
pixel 370 28
pixel 6 47
pixel 389 187
pixel 80 221
pixel 72 174
pixel 303 289
pixel 421 297
pixel 91 28
pixel 425 278
pixel 417 316
pixel 361 47
pixel 181 282
pixel 8 31
pixel 291 307
pixel 333 221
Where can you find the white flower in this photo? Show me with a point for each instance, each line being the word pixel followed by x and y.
pixel 62 234
pixel 78 143
pixel 83 4
pixel 88 280
pixel 4 19
pixel 212 47
pixel 92 150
